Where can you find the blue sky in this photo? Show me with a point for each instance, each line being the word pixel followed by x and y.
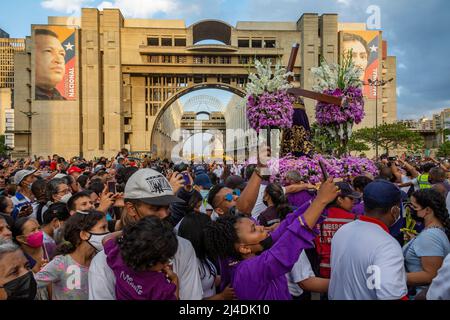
pixel 417 31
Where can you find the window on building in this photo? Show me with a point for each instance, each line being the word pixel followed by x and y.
pixel 153 109
pixel 241 81
pixel 166 59
pixel 182 82
pixel 243 43
pixel 180 59
pixel 243 60
pixel 153 59
pixel 180 42
pixel 226 80
pixel 225 60
pixel 126 121
pixel 256 43
pixel 127 138
pixel 197 60
pixel 153 41
pixel 166 42
pixel 198 79
pixel 269 43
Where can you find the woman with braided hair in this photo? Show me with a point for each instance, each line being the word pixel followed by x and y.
pixel 425 253
pixel 259 268
pixel 277 205
pixel 68 271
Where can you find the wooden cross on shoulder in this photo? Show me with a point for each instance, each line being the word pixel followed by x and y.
pixel 299 92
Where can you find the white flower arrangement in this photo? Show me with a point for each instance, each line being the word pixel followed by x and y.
pixel 333 76
pixel 264 80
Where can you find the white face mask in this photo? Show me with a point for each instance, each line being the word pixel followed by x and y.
pixel 95 240
pixel 65 198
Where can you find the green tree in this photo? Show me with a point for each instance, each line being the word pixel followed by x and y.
pixel 357 146
pixel 444 149
pixel 390 136
pixel 3 147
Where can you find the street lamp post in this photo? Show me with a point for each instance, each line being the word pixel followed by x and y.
pixel 29 115
pixel 377 83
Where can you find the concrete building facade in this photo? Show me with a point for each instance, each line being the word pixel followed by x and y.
pixel 130 71
pixel 8 47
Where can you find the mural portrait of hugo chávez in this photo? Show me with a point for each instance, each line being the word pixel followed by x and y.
pixel 159 185
pixel 50 65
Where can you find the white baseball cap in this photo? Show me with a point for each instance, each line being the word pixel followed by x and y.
pixel 59 176
pixel 151 187
pixel 22 174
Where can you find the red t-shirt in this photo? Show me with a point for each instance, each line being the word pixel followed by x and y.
pixel 336 219
pixel 53 165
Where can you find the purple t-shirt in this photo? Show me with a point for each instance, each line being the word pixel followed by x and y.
pixel 137 285
pixel 299 198
pixel 227 267
pixel 358 208
pixel 264 277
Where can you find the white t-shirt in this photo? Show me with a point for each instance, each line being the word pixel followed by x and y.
pixel 366 264
pixel 302 270
pixel 102 281
pixel 208 279
pixel 415 183
pixel 218 172
pixel 440 287
pixel 259 204
pixel 406 179
pixel 447 201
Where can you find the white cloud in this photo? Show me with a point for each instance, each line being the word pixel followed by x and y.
pixel 66 6
pixel 344 2
pixel 400 90
pixel 142 8
pixel 402 66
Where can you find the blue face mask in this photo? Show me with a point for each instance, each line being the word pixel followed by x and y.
pixel 204 193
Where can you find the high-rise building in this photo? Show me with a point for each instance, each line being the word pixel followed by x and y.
pixel 113 78
pixel 8 47
pixel 3 34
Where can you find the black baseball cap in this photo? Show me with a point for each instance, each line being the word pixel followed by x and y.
pixel 346 190
pixel 235 182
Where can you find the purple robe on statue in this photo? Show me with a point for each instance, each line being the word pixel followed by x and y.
pixel 296 140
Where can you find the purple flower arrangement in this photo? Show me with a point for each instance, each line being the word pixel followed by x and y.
pixel 345 168
pixel 270 110
pixel 351 111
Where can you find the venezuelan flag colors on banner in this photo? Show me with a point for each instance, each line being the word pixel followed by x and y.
pixel 67 87
pixel 366 49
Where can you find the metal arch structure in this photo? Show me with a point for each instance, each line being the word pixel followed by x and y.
pixel 166 104
pixel 203 102
pixel 197 114
pixel 191 137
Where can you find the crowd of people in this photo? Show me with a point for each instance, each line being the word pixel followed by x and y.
pixel 123 229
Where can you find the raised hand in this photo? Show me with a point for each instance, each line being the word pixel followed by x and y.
pixel 328 191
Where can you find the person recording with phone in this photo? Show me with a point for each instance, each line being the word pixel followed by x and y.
pixel 24 198
pixel 184 179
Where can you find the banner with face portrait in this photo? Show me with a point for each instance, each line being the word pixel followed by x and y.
pixel 55 63
pixel 366 49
